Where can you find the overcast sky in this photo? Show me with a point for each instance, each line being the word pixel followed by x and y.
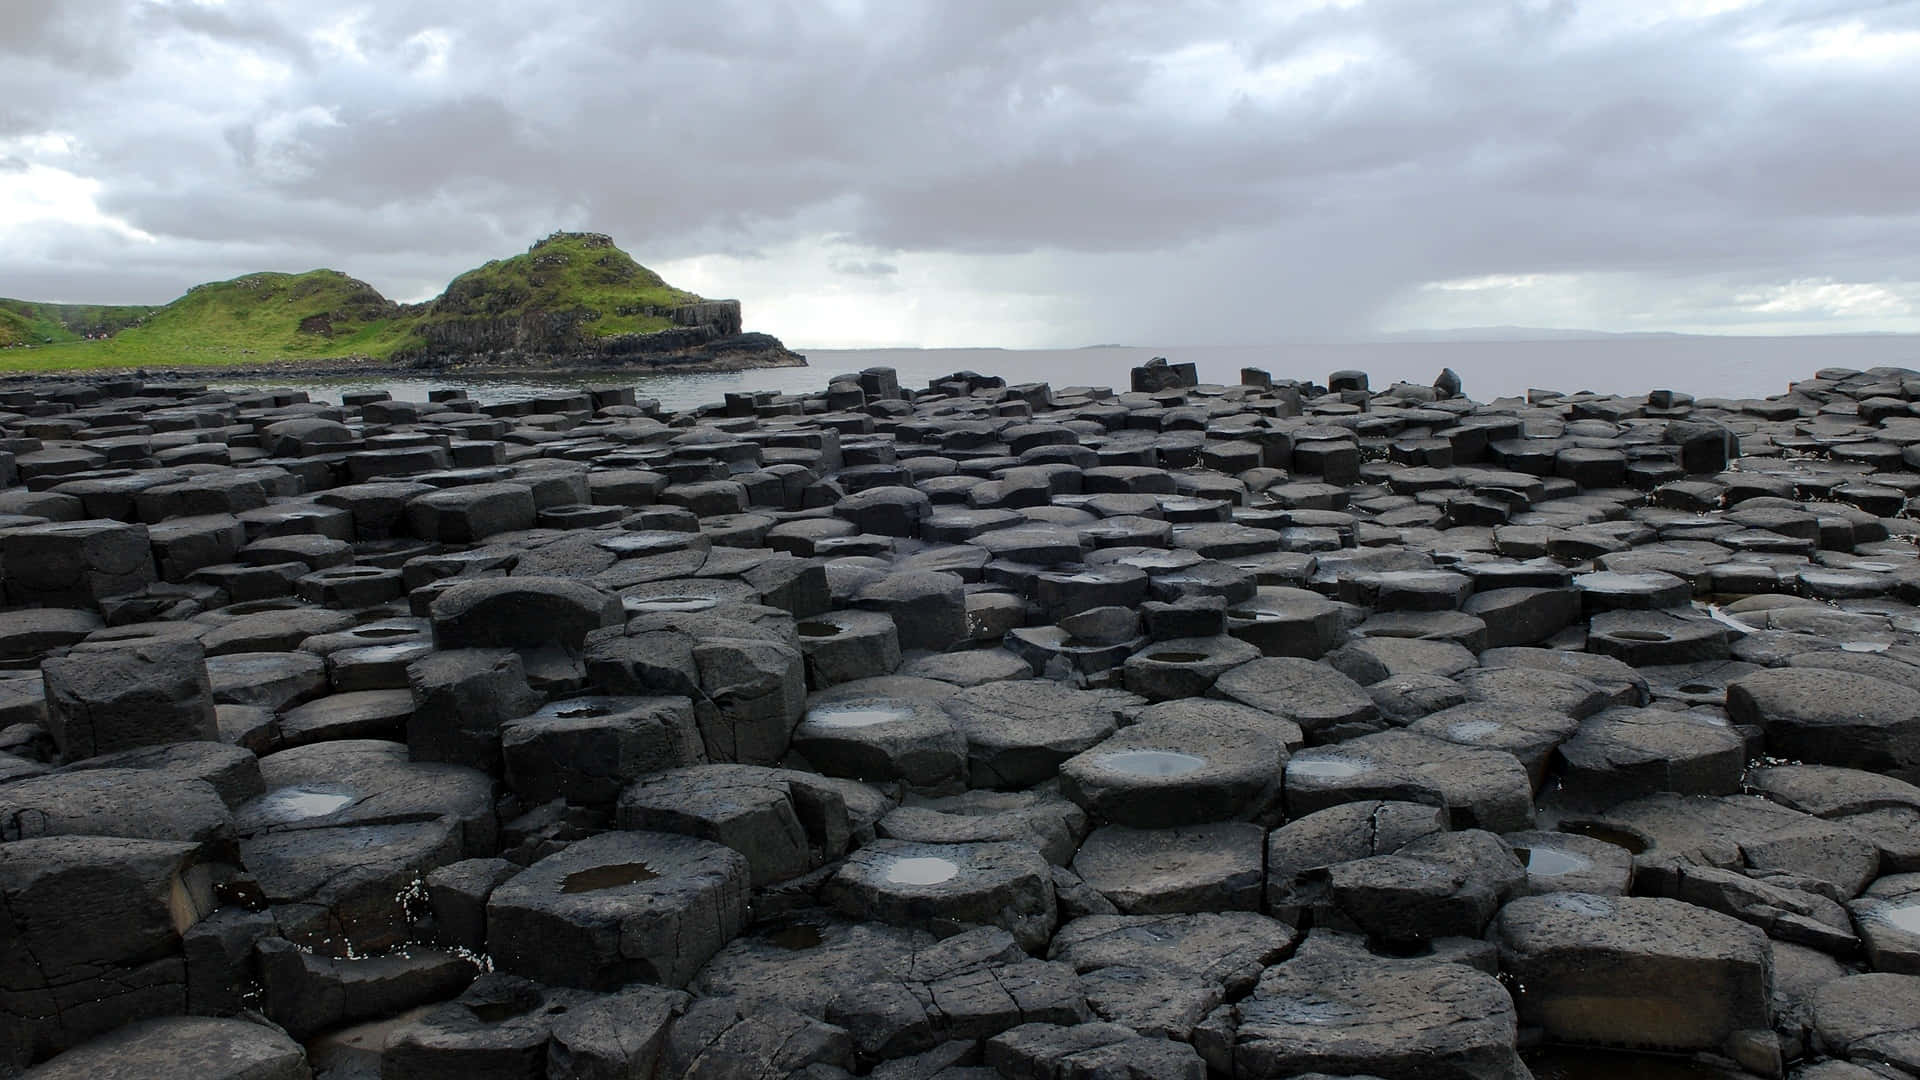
pixel 996 172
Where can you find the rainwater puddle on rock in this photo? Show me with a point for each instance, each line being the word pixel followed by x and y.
pixel 1177 657
pixel 1151 762
pixel 298 804
pixel 1569 1063
pixel 854 716
pixel 670 603
pixel 796 937
pixel 1550 862
pixel 1326 769
pixel 595 878
pixel 569 712
pixel 386 632
pixel 1472 730
pixel 921 871
pixel 1905 917
pixel 1863 646
pixel 1253 614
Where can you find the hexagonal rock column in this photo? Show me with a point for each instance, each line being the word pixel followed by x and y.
pixel 747 681
pixel 929 608
pixel 784 822
pixel 1177 772
pixel 1870 1020
pixel 1832 718
pixel 521 613
pixel 1160 975
pixel 471 512
pixel 184 1048
pixel 1344 1012
pixel 1018 733
pixel 1184 667
pixel 1213 867
pixel 460 699
pixel 1622 754
pixel 75 562
pixel 142 694
pixel 947 887
pixel 972 985
pixel 617 908
pixel 131 898
pixel 841 646
pixel 584 750
pixel 1888 916
pixel 1485 789
pixel 345 828
pixel 1042 1049
pixel 151 804
pixel 505 1026
pixel 1634 971
pixel 879 739
pixel 1326 704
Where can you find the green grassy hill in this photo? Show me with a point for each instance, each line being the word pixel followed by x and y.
pixel 567 289
pixel 23 322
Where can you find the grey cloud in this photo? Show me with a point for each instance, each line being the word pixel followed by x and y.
pixel 1464 140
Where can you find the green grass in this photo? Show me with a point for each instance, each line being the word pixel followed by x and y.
pixel 323 314
pixel 24 322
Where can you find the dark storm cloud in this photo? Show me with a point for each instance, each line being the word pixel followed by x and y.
pixel 1290 165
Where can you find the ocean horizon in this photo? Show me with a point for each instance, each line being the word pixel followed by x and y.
pixel 1704 366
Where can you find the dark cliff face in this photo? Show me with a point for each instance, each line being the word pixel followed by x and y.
pixel 707 332
pixel 554 337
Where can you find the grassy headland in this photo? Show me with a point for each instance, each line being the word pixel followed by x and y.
pixel 570 288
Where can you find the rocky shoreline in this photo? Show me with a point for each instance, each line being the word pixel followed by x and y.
pixel 981 730
pixel 652 356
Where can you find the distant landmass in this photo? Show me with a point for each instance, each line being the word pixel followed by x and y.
pixel 572 300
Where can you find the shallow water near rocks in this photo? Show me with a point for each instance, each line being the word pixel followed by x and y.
pixel 607 877
pixel 1552 862
pixel 922 871
pixel 1472 730
pixel 854 716
pixel 298 804
pixel 1905 917
pixel 1151 762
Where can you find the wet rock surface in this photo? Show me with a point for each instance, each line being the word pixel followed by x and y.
pixel 981 730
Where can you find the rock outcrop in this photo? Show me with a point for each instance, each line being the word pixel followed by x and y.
pixel 979 730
